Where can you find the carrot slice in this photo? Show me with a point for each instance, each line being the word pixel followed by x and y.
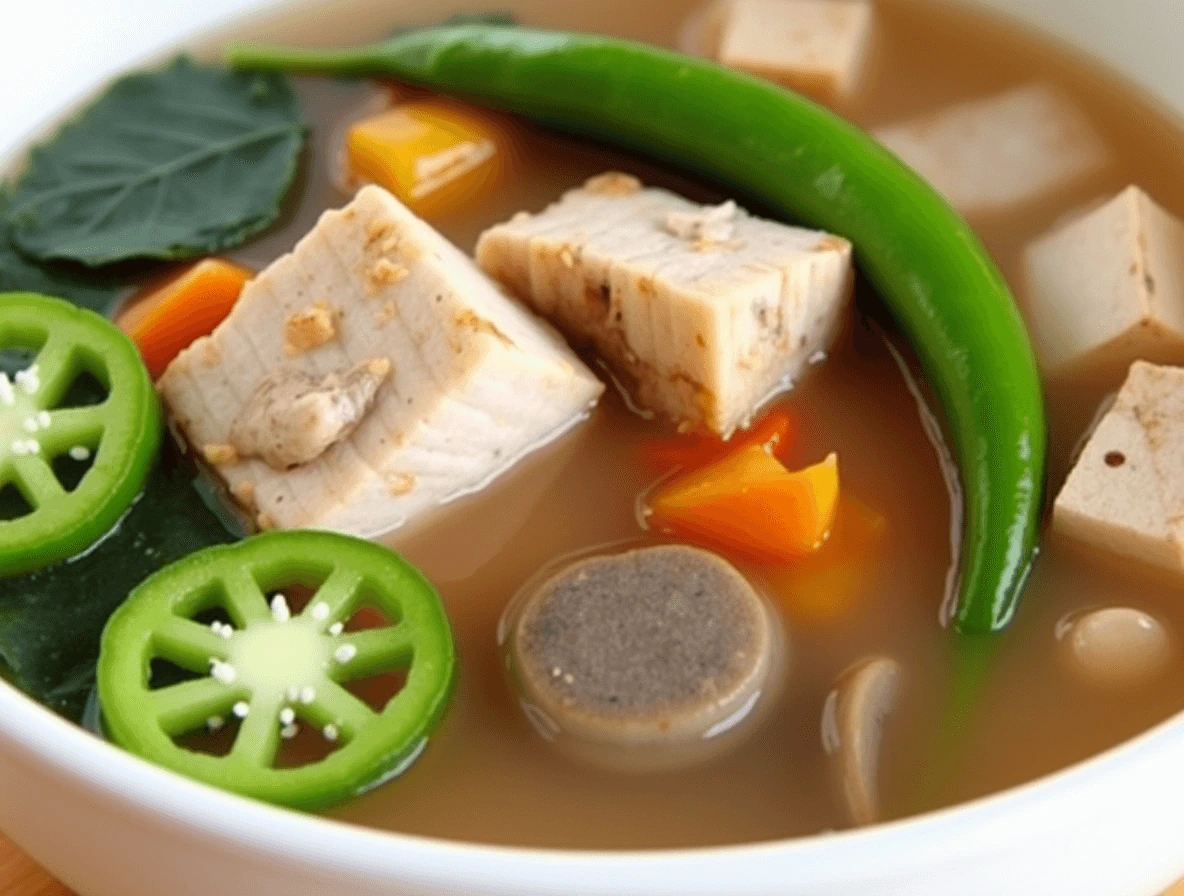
pixel 692 452
pixel 436 155
pixel 822 588
pixel 750 506
pixel 169 316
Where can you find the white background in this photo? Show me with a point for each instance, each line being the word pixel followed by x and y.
pixel 53 50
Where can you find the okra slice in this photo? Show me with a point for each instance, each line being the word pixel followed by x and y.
pixel 262 674
pixel 48 435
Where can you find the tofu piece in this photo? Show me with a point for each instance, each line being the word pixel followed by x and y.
pixel 1125 496
pixel 817 47
pixel 703 313
pixel 452 380
pixel 989 154
pixel 1107 289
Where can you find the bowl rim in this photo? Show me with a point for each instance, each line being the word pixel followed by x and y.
pixel 120 778
pixel 91 765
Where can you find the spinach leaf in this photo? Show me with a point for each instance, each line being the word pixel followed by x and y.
pixel 51 620
pixel 20 274
pixel 174 163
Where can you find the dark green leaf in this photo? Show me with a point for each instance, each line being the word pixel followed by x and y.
pixel 51 620
pixel 174 163
pixel 82 287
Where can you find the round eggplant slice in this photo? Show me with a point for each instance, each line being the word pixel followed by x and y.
pixel 650 659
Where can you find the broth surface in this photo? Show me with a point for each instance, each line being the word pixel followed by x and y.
pixel 487 776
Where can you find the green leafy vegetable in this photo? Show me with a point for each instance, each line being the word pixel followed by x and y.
pixel 20 274
pixel 174 163
pixel 51 620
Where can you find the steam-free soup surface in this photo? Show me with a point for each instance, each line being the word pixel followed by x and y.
pixel 487 775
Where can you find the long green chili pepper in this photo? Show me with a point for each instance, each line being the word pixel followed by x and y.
pixel 809 165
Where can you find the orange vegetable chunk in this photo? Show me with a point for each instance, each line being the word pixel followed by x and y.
pixel 822 588
pixel 169 316
pixel 691 452
pixel 435 155
pixel 750 506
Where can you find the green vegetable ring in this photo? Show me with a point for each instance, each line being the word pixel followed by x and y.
pixel 277 673
pixel 810 165
pixel 118 437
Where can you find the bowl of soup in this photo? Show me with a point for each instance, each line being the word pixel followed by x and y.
pixel 667 448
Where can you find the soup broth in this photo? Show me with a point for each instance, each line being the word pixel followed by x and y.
pixel 487 776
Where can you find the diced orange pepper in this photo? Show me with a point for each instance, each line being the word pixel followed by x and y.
pixel 436 155
pixel 821 588
pixel 749 506
pixel 167 317
pixel 691 452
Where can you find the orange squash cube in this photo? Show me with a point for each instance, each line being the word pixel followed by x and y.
pixel 167 317
pixel 436 155
pixel 749 506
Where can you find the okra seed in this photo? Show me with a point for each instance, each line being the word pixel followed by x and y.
pixel 320 611
pixel 223 672
pixel 345 653
pixel 287 716
pixel 29 380
pixel 279 609
pixel 241 709
pixel 25 447
pixel 330 731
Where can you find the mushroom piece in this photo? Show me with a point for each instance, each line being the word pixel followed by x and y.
pixel 650 659
pixel 293 417
pixel 1115 647
pixel 852 731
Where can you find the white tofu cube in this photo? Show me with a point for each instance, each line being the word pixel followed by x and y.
pixel 703 313
pixel 1125 496
pixel 989 154
pixel 371 375
pixel 817 47
pixel 1107 289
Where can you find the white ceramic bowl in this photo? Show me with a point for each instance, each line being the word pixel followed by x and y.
pixel 110 825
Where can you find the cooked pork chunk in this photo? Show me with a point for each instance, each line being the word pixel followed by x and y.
pixel 370 375
pixel 703 312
